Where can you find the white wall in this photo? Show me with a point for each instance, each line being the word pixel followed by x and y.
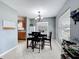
pixel 51 26
pixel 74 4
pixel 8 38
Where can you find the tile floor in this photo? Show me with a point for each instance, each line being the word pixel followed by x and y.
pixel 21 52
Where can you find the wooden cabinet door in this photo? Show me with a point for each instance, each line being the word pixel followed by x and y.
pixel 21 35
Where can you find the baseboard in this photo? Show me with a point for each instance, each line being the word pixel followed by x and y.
pixel 6 52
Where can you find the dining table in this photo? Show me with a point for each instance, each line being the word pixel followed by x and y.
pixel 41 36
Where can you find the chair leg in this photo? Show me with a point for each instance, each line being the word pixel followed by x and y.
pixel 50 45
pixel 35 43
pixel 33 46
pixel 43 44
pixel 39 48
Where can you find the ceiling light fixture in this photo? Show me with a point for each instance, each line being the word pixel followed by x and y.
pixel 39 17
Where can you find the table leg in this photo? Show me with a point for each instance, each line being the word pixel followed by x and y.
pixel 27 43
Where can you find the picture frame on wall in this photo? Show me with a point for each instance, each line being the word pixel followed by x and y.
pixel 42 27
pixel 8 25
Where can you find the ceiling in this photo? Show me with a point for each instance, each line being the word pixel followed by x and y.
pixel 29 8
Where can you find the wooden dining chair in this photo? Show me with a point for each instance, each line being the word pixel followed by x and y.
pixel 29 39
pixel 36 41
pixel 47 41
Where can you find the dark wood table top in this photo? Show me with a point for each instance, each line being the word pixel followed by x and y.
pixel 41 35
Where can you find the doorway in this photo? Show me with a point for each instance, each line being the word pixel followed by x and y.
pixel 22 22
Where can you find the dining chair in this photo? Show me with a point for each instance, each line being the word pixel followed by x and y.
pixel 29 39
pixel 47 41
pixel 36 41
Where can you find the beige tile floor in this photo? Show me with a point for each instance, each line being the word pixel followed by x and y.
pixel 21 52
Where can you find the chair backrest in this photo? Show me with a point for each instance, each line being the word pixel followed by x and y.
pixel 36 34
pixel 50 35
